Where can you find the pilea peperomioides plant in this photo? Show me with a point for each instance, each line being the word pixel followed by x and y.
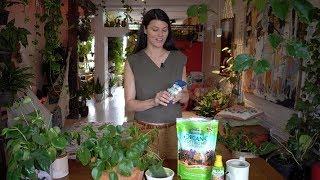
pixel 116 150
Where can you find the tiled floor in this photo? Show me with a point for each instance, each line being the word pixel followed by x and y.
pixel 110 110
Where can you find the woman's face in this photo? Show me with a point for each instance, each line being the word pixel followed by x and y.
pixel 157 33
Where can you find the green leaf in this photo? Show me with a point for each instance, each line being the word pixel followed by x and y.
pixel 83 155
pixel 96 173
pixel 105 152
pixel 304 9
pixel 43 159
pixel 113 175
pixel 266 148
pixel 26 155
pixel 304 142
pixel 60 142
pixel 243 62
pixel 192 11
pixel 40 139
pixel 261 66
pixel 125 167
pixel 203 18
pixel 280 8
pixel 52 153
pixel 203 9
pixel 157 171
pixel 297 49
pixel 116 157
pixel 293 123
pixel 260 4
pixel 275 40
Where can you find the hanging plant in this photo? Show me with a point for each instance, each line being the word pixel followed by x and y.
pixel 53 20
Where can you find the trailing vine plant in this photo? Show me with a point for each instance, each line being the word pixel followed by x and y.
pixel 53 20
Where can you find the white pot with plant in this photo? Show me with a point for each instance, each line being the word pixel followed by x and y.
pixel 33 148
pixel 157 172
pixel 99 91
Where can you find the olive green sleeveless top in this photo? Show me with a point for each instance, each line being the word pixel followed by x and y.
pixel 150 79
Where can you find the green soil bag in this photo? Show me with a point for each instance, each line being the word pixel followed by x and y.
pixel 197 138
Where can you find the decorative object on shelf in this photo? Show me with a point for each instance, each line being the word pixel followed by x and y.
pixel 238 112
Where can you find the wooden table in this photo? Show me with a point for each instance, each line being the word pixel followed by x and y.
pixel 259 168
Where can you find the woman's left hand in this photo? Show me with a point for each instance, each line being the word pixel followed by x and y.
pixel 177 97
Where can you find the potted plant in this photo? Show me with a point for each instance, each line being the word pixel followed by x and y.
pixel 84 29
pixel 85 93
pixel 115 152
pixel 242 145
pixel 112 83
pixel 98 90
pixel 13 80
pixel 33 146
pixel 84 48
pixel 157 172
pixel 211 103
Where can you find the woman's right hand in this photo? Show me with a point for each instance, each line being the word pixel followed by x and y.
pixel 163 98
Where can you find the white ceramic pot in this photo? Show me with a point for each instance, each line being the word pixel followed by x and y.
pixel 99 97
pixel 59 168
pixel 169 172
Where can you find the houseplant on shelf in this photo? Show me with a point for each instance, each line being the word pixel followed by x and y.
pixel 13 80
pixel 98 91
pixel 10 39
pixel 32 146
pixel 212 102
pixel 85 93
pixel 116 151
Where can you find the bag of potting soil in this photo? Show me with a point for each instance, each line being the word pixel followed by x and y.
pixel 197 139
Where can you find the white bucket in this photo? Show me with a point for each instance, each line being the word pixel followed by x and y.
pixel 169 172
pixel 59 168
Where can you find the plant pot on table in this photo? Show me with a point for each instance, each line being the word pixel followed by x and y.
pixel 168 171
pixel 4 17
pixel 60 167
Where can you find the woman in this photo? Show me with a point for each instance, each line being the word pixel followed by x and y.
pixel 154 67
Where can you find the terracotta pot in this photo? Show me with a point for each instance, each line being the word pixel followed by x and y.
pixel 135 175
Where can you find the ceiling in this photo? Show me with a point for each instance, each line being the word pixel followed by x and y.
pixel 176 9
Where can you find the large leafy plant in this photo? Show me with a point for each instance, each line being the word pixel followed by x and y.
pixel 116 150
pixel 31 145
pixel 212 102
pixel 303 127
pixel 239 141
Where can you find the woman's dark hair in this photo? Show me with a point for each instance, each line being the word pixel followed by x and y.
pixel 154 14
